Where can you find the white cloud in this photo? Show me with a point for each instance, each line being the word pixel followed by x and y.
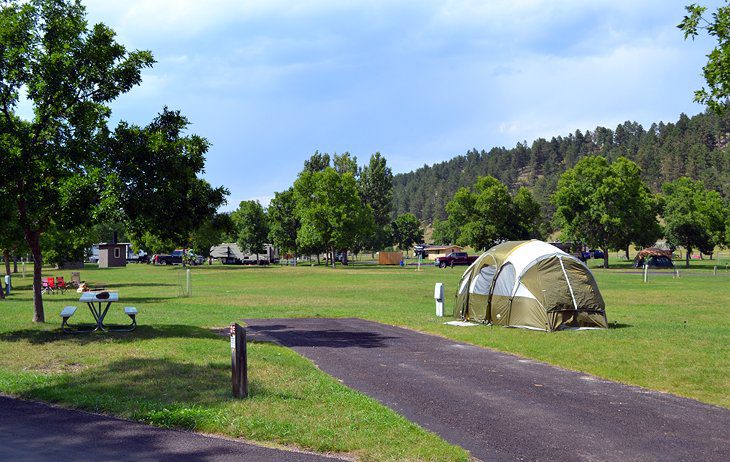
pixel 421 81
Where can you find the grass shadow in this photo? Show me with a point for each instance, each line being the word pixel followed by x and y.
pixel 155 384
pixel 140 284
pixel 38 336
pixel 619 325
pixel 330 338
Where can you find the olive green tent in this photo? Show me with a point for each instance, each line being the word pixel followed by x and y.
pixel 530 284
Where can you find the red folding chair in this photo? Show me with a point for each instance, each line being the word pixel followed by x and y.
pixel 48 286
pixel 61 284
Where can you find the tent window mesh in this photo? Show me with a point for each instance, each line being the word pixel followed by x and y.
pixel 506 281
pixel 483 280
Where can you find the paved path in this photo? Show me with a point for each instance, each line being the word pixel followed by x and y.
pixel 502 407
pixel 38 432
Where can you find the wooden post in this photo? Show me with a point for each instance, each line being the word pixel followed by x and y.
pixel 239 366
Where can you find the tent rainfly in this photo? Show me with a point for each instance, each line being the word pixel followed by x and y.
pixel 530 284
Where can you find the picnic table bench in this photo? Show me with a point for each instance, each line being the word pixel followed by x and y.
pixel 94 301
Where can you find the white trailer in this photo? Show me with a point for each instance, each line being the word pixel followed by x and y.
pixel 229 253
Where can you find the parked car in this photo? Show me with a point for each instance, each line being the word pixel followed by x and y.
pixel 455 258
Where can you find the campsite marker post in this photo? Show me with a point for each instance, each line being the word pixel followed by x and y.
pixel 188 292
pixel 239 366
pixel 438 294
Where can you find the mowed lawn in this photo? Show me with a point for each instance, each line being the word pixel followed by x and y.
pixel 670 335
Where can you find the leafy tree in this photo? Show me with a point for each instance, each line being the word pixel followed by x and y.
pixel 526 215
pixel 330 211
pixel 153 183
pixel 61 246
pixel 212 232
pixel 68 73
pixel 283 222
pixel 407 231
pixel 153 243
pixel 317 163
pixel 376 190
pixel 716 71
pixel 444 232
pixel 345 163
pixel 485 216
pixel 604 206
pixel 695 217
pixel 252 230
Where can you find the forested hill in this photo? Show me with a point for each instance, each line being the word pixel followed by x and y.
pixel 693 147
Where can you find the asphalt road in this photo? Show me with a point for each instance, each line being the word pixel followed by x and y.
pixel 502 407
pixel 38 432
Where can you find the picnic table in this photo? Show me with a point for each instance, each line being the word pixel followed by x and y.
pixel 95 303
pixel 99 304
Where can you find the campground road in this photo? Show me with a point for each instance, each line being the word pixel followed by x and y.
pixel 500 406
pixel 37 432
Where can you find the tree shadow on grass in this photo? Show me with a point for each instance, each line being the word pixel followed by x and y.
pixel 134 386
pixel 329 338
pixel 158 391
pixel 140 284
pixel 142 332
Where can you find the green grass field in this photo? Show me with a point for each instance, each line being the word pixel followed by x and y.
pixel 669 334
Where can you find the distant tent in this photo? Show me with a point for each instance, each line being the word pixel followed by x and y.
pixel 530 284
pixel 654 257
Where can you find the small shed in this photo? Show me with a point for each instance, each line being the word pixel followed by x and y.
pixel 435 251
pixel 112 255
pixel 390 258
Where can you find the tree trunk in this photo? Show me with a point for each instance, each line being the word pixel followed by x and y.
pixel 33 239
pixel 6 257
pixel 627 252
pixel 15 264
pixel 605 257
pixel 688 252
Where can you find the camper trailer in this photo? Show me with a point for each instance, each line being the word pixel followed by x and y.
pixel 231 254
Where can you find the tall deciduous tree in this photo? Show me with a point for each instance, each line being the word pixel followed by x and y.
pixel 212 232
pixel 317 163
pixel 407 231
pixel 376 190
pixel 345 163
pixel 152 184
pixel 330 211
pixel 695 217
pixel 489 214
pixel 252 230
pixel 605 206
pixel 444 232
pixel 526 215
pixel 283 222
pixel 69 73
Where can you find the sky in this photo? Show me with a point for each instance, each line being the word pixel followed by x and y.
pixel 268 82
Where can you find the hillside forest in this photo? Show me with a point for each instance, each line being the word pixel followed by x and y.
pixel 693 147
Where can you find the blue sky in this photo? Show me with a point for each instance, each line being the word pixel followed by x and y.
pixel 269 82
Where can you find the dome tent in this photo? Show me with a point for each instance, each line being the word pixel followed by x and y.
pixel 530 284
